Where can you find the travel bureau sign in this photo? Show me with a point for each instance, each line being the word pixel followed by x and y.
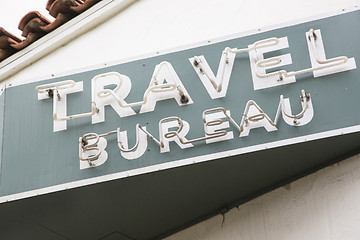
pixel 111 90
pixel 233 99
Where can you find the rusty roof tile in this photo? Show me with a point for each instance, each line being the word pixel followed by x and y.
pixel 5 54
pixel 31 22
pixel 31 37
pixel 6 39
pixel 29 16
pixel 3 32
pixel 59 20
pixel 63 6
pixel 86 5
pixel 50 2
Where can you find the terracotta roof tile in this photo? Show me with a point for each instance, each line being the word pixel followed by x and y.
pixel 3 32
pixel 29 16
pixel 64 7
pixel 84 6
pixel 31 22
pixel 34 25
pixel 6 39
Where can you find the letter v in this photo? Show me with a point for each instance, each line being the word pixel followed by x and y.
pixel 215 86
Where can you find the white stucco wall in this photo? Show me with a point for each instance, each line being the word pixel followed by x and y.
pixel 324 205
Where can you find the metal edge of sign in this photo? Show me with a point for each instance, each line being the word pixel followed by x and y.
pixel 193 160
pixel 187 46
pixel 179 163
pixel 2 118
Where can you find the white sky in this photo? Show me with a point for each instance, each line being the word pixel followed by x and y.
pixel 11 14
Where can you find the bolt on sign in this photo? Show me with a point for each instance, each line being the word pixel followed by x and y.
pixel 230 96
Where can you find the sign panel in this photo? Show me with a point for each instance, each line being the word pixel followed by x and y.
pixel 234 96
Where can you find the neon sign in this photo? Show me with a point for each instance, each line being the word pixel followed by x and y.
pixel 165 84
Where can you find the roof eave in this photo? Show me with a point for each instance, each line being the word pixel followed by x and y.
pixel 61 36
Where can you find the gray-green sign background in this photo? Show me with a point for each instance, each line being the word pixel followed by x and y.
pixel 34 157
